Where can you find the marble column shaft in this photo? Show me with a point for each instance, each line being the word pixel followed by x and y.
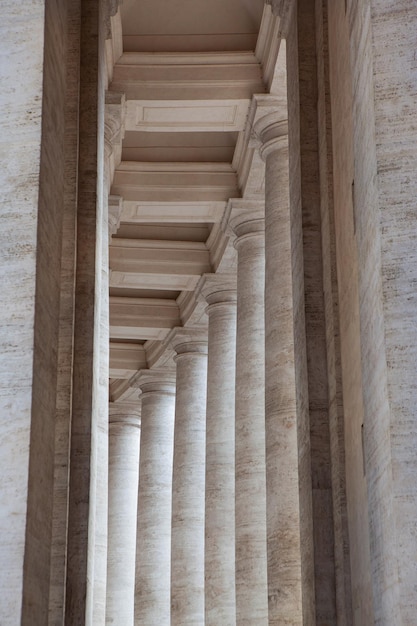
pixel 220 604
pixel 124 435
pixel 251 561
pixel 283 511
pixel 188 497
pixel 153 560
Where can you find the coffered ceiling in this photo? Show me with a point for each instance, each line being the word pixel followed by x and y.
pixel 188 70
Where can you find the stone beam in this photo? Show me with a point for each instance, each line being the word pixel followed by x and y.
pixel 126 359
pixel 186 115
pixel 195 76
pixel 182 212
pixel 145 264
pixel 142 318
pixel 174 182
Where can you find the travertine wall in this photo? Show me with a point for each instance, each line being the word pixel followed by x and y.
pixel 347 265
pixel 394 43
pixel 372 85
pixel 50 170
pixel 362 109
pixel 33 181
pixel 21 101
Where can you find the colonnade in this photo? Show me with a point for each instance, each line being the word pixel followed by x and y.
pixel 217 513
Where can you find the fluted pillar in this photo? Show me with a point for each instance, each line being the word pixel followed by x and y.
pixel 153 554
pixel 124 435
pixel 187 574
pixel 251 562
pixel 220 603
pixel 283 509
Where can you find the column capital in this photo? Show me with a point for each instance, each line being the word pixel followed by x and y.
pixel 246 218
pixel 219 289
pixel 191 347
pixel 270 134
pixel 124 413
pixel 161 381
pixel 188 341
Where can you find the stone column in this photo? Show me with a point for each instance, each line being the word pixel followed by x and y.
pixel 283 511
pixel 113 134
pixel 251 562
pixel 124 435
pixel 220 603
pixel 153 560
pixel 187 574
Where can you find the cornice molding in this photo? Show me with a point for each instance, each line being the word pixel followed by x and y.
pixel 115 207
pixel 282 9
pixel 268 45
pixel 113 34
pixel 114 132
